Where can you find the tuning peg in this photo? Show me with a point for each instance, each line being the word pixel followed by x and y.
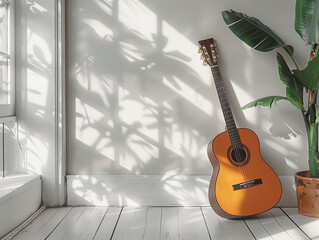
pixel 202 56
pixel 204 62
pixel 200 49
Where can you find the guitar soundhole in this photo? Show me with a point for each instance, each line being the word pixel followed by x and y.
pixel 238 157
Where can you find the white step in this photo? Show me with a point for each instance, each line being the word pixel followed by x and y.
pixel 20 196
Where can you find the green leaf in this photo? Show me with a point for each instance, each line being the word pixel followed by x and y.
pixel 289 49
pixel 309 77
pixel 264 102
pixel 307 20
pixel 253 32
pixel 317 113
pixel 313 149
pixel 292 91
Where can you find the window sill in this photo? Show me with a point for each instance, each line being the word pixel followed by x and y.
pixel 20 197
pixel 13 185
pixel 8 119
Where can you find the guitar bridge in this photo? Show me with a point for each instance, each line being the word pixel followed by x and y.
pixel 248 184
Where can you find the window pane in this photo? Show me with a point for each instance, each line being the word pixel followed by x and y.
pixel 4 33
pixel 4 81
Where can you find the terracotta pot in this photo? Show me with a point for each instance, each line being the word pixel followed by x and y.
pixel 307 190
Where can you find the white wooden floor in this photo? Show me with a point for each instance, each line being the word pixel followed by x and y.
pixel 153 223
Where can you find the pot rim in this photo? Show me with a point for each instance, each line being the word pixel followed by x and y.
pixel 302 174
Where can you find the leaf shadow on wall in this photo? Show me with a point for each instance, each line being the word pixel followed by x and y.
pixel 129 112
pixel 136 105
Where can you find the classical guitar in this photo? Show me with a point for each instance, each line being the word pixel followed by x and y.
pixel 242 183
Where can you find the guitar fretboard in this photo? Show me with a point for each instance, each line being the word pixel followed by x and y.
pixel 227 112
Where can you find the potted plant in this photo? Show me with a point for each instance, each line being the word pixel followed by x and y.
pixel 300 84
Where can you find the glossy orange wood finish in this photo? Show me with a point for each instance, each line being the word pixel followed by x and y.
pixel 244 202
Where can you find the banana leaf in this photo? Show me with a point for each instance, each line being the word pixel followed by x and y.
pixel 313 150
pixel 317 113
pixel 286 76
pixel 307 20
pixel 253 32
pixel 309 77
pixel 264 102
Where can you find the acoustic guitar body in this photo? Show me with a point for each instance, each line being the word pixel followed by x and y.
pixel 240 189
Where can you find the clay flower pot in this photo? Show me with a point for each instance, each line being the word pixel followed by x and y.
pixel 307 190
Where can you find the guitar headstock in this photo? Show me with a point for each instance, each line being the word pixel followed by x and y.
pixel 208 50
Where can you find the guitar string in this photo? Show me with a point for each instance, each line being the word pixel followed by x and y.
pixel 240 153
pixel 222 96
pixel 240 157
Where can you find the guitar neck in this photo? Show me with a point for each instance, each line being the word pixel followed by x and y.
pixel 227 112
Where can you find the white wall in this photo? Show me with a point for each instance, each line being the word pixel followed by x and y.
pixel 36 77
pixel 140 102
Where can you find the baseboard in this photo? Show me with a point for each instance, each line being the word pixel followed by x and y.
pixel 150 190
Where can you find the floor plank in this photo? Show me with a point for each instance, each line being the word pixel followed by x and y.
pixel 183 223
pixel 309 225
pixel 271 226
pixel 167 223
pixel 80 223
pixel 138 224
pixel 292 230
pixel 108 223
pixel 153 224
pixel 43 225
pixel 220 228
pixel 274 224
pixel 257 229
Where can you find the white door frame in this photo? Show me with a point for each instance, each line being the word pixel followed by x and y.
pixel 60 114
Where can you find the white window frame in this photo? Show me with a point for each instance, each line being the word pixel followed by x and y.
pixel 7 110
